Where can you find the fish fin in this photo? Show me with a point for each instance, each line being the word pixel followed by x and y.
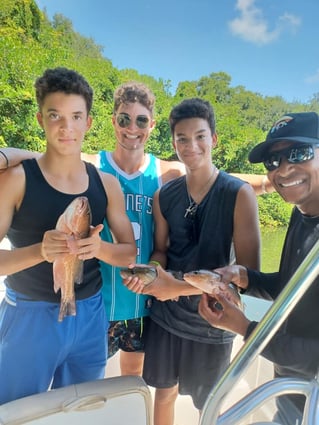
pixel 57 277
pixel 67 308
pixel 78 272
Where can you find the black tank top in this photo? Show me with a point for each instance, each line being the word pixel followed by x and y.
pixel 40 209
pixel 201 242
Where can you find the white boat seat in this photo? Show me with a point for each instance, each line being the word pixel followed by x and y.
pixel 115 401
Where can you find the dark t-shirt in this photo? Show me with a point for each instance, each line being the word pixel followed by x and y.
pixel 295 347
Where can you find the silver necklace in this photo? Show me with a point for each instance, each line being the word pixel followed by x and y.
pixel 191 210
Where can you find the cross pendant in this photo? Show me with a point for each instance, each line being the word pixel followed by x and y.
pixel 191 209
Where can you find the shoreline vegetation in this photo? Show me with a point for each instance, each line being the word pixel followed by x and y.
pixel 30 38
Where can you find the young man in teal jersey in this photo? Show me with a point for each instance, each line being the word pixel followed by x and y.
pixel 140 175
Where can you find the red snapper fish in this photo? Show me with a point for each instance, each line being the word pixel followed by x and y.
pixel 68 270
pixel 210 282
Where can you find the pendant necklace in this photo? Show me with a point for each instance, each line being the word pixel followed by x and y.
pixel 190 211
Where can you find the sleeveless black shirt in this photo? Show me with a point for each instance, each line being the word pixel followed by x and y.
pixel 201 242
pixel 39 211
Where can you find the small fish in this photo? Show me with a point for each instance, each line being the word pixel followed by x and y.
pixel 203 279
pixel 68 270
pixel 210 282
pixel 145 273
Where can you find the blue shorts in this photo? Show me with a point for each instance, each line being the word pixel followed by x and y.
pixel 38 353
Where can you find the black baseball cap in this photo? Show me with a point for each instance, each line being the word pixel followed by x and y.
pixel 300 127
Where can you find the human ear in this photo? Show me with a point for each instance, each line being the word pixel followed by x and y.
pixel 39 119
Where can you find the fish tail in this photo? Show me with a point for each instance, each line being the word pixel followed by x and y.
pixel 67 308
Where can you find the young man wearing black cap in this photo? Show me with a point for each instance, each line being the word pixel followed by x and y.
pixel 291 157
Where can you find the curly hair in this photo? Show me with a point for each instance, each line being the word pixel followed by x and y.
pixel 63 80
pixel 132 92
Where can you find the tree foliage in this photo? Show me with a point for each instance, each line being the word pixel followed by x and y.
pixel 30 43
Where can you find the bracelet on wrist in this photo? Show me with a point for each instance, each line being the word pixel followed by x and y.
pixel 154 263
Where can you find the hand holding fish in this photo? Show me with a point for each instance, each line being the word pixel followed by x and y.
pixel 236 274
pixel 54 245
pixel 211 282
pixel 229 317
pixel 137 276
pixel 161 284
pixel 88 247
pixel 167 286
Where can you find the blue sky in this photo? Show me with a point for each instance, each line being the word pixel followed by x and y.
pixel 269 46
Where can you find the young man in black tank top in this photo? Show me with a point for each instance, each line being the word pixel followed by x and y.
pixel 198 219
pixel 37 352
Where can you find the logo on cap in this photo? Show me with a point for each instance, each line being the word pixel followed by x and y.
pixel 281 123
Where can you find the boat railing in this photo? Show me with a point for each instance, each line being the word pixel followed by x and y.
pixel 262 334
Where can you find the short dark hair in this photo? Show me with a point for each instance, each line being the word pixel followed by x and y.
pixel 132 92
pixel 192 108
pixel 63 80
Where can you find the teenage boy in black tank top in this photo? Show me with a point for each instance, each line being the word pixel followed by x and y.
pixel 198 218
pixel 37 352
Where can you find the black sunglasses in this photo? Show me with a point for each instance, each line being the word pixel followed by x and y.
pixel 124 120
pixel 293 154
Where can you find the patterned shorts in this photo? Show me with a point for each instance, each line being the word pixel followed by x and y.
pixel 127 335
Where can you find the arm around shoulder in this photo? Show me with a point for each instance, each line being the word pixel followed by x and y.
pixel 259 182
pixel 91 158
pixel 246 232
pixel 171 170
pixel 9 157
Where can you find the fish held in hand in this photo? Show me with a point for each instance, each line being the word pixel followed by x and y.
pixel 205 280
pixel 68 270
pixel 147 274
pixel 211 283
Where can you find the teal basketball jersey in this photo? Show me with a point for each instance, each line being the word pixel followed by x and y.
pixel 138 189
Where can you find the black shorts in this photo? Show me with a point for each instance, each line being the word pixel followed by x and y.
pixel 127 335
pixel 194 366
